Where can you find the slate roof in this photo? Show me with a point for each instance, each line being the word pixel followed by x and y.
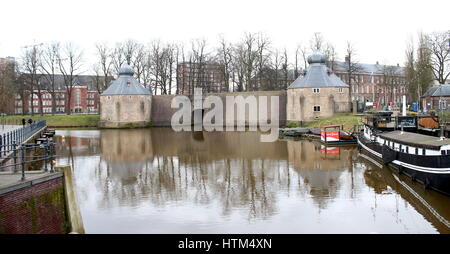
pixel 79 80
pixel 317 75
pixel 368 68
pixel 438 90
pixel 126 84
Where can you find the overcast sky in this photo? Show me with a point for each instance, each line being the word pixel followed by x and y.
pixel 379 29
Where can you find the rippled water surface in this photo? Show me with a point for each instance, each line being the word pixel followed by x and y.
pixel 160 181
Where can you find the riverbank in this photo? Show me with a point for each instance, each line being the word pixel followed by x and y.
pixel 61 121
pixel 346 120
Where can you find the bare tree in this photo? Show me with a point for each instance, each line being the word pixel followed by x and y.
pixel 8 87
pixel 285 68
pixel 104 65
pixel 418 68
pixel 118 57
pixel 180 79
pixel 331 54
pixel 411 73
pixel 276 64
pixel 69 61
pixel 238 67
pixel 351 65
pixel 225 55
pixel 440 48
pixel 49 67
pixel 250 59
pixel 199 58
pixel 31 62
pixel 316 42
pixel 263 44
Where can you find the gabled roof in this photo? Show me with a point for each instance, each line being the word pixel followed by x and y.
pixel 438 90
pixel 317 75
pixel 126 84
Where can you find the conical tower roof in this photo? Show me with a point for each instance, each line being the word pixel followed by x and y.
pixel 126 84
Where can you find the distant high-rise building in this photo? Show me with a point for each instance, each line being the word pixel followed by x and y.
pixel 209 76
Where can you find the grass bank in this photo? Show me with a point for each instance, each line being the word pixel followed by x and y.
pixel 348 120
pixel 60 121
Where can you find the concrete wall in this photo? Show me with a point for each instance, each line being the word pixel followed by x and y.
pixel 301 102
pixel 38 209
pixel 123 110
pixel 162 112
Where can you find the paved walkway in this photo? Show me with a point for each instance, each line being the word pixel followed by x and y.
pixel 7 128
pixel 12 181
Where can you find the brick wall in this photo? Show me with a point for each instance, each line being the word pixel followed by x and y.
pixel 39 209
pixel 162 112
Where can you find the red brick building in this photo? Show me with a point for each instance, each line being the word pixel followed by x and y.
pixel 381 84
pixel 84 97
pixel 208 75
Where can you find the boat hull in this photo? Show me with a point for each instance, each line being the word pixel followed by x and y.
pixel 432 171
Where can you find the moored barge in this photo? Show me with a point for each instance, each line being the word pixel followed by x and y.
pixel 424 158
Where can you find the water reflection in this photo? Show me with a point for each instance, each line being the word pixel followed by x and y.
pixel 160 181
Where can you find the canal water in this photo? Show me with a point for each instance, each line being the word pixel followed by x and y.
pixel 160 181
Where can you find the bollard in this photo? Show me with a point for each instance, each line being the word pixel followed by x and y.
pixel 45 147
pixel 4 144
pixel 15 156
pixel 23 162
pixel 52 155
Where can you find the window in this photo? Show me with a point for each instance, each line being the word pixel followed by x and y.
pixel 316 108
pixel 341 90
pixel 316 90
pixel 78 97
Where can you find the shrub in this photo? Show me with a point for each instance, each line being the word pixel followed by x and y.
pixel 293 124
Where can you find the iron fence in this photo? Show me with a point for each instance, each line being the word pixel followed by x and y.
pixel 40 153
pixel 11 139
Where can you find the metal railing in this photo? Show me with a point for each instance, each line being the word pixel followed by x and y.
pixel 26 154
pixel 10 140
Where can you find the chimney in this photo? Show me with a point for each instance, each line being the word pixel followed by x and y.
pixel 347 59
pixel 398 65
pixel 377 63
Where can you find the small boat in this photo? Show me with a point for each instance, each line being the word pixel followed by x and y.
pixel 424 158
pixel 332 134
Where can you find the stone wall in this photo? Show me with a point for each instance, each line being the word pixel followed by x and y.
pixel 38 209
pixel 301 102
pixel 124 110
pixel 162 111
